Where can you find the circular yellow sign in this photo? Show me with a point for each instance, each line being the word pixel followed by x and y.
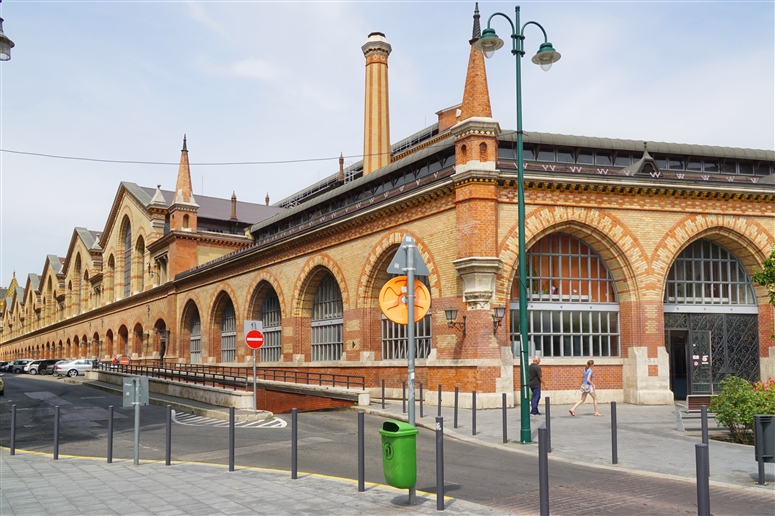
pixel 393 300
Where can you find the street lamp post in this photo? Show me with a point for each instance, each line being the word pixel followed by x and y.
pixel 5 43
pixel 488 43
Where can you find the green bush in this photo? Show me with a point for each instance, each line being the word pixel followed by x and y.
pixel 739 401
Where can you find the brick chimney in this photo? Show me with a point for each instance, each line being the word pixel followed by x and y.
pixel 376 125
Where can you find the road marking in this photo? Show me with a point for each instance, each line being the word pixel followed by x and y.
pixel 47 397
pixel 182 418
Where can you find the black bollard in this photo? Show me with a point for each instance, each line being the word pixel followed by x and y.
pixel 703 487
pixel 454 425
pixel 168 455
pixel 614 443
pixel 110 434
pixel 473 412
pixel 56 432
pixel 421 397
pixel 294 439
pixel 505 436
pixel 704 423
pixel 231 438
pixel 383 393
pixel 439 463
pixel 543 470
pixel 547 414
pixel 403 397
pixel 361 454
pixel 13 429
pixel 439 414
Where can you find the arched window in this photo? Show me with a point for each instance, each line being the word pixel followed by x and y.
pixel 327 321
pixel 141 263
pixel 707 274
pixel 229 333
pixel 395 344
pixel 271 319
pixel 573 310
pixel 110 280
pixel 195 344
pixel 78 284
pixel 127 259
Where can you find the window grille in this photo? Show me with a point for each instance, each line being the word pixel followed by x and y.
pixel 573 309
pixel 141 266
pixel 229 333
pixel 327 341
pixel 271 319
pixel 127 261
pixel 395 342
pixel 196 339
pixel 705 273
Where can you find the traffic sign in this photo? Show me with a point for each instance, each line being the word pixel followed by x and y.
pixel 254 339
pixel 398 263
pixel 393 300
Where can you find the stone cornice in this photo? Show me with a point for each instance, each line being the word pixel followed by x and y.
pixel 477 126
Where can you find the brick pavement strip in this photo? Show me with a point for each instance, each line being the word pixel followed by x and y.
pixel 34 483
pixel 634 495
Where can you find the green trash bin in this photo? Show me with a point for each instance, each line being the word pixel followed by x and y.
pixel 399 453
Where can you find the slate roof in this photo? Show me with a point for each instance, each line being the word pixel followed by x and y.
pixel 56 263
pixel 211 207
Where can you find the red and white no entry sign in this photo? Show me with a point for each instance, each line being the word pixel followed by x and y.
pixel 254 339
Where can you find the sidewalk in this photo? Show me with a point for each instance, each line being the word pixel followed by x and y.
pixel 648 442
pixel 34 483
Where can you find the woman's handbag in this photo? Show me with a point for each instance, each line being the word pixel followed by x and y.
pixel 585 388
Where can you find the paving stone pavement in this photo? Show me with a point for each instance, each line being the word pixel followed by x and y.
pixel 648 442
pixel 35 484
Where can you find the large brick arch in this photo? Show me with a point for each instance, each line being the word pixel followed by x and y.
pixel 376 261
pixel 748 240
pixel 256 293
pixel 311 273
pixel 607 235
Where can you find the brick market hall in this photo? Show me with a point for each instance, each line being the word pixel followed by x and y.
pixel 639 256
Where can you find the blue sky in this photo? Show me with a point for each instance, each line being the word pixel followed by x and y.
pixel 269 81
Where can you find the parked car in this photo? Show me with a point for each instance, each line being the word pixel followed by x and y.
pixel 75 367
pixel 39 366
pixel 50 367
pixel 3 363
pixel 17 366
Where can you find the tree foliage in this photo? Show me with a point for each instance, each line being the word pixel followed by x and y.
pixel 739 402
pixel 766 277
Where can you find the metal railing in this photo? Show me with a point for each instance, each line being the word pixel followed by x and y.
pixel 224 378
pixel 233 376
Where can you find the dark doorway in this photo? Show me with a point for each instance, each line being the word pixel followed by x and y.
pixel 676 341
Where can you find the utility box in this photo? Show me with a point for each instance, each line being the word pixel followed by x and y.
pixel 764 437
pixel 399 454
pixel 130 391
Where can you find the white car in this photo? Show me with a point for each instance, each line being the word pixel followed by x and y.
pixel 74 367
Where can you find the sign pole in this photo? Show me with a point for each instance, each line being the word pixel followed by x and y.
pixel 410 337
pixel 136 382
pixel 255 398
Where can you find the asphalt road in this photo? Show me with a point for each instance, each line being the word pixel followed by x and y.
pixel 328 445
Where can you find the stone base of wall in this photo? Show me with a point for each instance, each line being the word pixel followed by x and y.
pixel 767 365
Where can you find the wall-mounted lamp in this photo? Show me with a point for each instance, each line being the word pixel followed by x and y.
pixel 497 318
pixel 150 271
pixel 451 315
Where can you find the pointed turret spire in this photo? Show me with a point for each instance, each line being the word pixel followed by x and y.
pixel 267 199
pixel 183 191
pixel 233 205
pixel 340 177
pixel 476 97
pixel 477 30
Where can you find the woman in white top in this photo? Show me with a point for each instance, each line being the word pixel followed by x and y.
pixel 587 387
